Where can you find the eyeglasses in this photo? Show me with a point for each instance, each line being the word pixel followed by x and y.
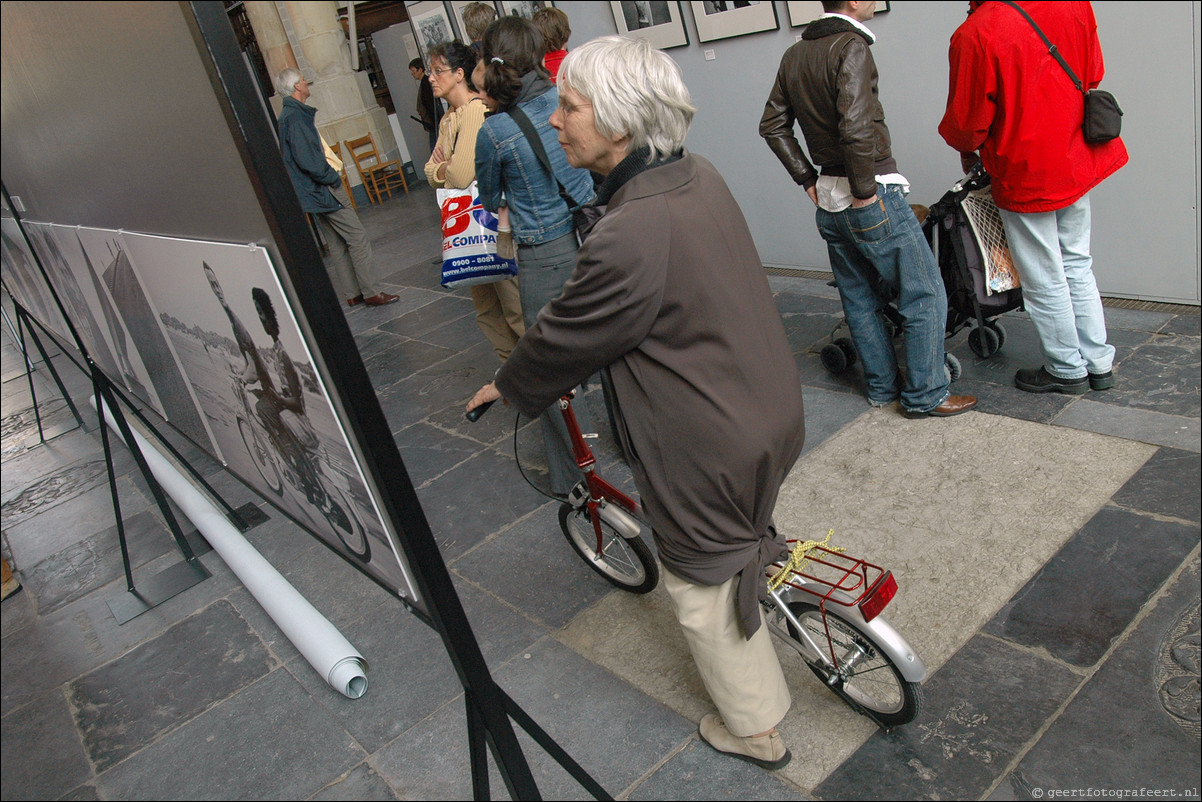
pixel 436 73
pixel 572 108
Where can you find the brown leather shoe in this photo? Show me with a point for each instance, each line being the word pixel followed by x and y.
pixel 954 405
pixel 358 299
pixel 382 299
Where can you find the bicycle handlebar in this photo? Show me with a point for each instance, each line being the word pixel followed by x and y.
pixel 474 414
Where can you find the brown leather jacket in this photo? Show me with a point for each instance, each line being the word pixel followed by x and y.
pixel 827 83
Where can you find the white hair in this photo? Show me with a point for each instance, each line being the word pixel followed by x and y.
pixel 286 81
pixel 635 90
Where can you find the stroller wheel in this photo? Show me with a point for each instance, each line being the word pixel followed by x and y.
pixel 952 365
pixel 838 356
pixel 984 341
pixel 996 325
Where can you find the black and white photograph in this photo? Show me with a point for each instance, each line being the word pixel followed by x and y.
pixel 659 22
pixel 266 405
pixel 105 250
pixel 721 20
pixel 90 312
pixel 523 8
pixel 431 26
pixel 24 281
pixel 803 12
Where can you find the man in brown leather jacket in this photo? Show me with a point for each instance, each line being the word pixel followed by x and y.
pixel 827 82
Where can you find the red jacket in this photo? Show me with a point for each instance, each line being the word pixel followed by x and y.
pixel 1010 99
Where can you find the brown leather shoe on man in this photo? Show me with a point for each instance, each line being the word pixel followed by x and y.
pixel 954 405
pixel 358 299
pixel 383 299
pixel 766 751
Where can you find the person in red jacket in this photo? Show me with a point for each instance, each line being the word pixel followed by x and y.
pixel 1011 101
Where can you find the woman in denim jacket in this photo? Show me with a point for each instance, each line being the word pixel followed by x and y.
pixel 508 173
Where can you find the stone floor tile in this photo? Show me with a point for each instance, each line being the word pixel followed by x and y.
pixel 360 784
pixel 552 587
pixel 1131 423
pixel 1134 725
pixel 124 705
pixel 1166 485
pixel 43 755
pixel 1093 588
pixel 271 741
pixel 698 772
pixel 979 711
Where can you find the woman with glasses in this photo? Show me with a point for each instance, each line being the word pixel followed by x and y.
pixel 670 293
pixel 510 175
pixel 453 165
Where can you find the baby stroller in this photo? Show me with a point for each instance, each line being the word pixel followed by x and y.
pixel 965 232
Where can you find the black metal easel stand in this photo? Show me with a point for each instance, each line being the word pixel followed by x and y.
pixel 23 324
pixel 171 581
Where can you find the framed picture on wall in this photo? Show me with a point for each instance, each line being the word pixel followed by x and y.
pixel 431 26
pixel 803 12
pixel 522 8
pixel 721 19
pixel 660 23
pixel 457 7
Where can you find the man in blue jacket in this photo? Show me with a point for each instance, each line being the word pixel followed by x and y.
pixel 319 186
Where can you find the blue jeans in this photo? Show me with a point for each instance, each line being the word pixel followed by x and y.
pixel 1051 252
pixel 885 241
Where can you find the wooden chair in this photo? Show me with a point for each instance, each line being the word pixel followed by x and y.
pixel 346 184
pixel 378 176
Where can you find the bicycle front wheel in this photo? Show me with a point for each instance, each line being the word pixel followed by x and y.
pixel 624 562
pixel 867 678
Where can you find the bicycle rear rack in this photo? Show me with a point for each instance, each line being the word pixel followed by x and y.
pixel 835 577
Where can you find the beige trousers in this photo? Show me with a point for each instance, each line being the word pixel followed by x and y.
pixel 743 677
pixel 499 314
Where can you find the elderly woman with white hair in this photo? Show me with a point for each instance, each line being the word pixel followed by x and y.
pixel 670 294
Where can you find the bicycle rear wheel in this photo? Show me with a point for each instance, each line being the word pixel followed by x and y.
pixel 867 678
pixel 624 562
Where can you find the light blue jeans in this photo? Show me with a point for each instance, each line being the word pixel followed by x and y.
pixel 885 241
pixel 1051 252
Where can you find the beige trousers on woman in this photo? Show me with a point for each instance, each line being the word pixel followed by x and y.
pixel 499 314
pixel 743 677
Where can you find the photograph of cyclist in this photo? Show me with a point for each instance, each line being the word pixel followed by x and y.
pixel 263 399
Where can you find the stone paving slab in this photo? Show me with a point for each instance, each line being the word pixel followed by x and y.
pixel 1134 726
pixel 981 709
pixel 1092 589
pixel 270 741
pixel 128 703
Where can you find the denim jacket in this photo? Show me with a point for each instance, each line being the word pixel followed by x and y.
pixel 508 171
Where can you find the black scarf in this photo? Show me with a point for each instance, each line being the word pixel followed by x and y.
pixel 634 163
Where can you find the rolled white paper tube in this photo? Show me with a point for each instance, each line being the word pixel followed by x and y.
pixel 318 641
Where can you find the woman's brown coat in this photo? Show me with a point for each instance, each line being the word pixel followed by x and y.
pixel 669 292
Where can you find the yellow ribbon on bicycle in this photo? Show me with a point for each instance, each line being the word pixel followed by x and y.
pixel 798 559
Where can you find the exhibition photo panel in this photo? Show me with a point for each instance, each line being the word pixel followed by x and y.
pixel 24 281
pixel 262 397
pixel 105 251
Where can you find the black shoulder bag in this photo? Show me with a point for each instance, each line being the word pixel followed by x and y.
pixel 1103 117
pixel 579 221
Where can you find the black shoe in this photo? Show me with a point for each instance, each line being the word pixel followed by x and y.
pixel 1101 381
pixel 1040 381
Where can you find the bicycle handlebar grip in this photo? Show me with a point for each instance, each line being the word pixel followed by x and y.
pixel 474 415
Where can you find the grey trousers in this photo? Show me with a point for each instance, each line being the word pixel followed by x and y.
pixel 542 271
pixel 351 266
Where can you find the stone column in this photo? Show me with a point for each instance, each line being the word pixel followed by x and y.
pixel 307 35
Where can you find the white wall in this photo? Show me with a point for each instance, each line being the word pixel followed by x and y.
pixel 1145 228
